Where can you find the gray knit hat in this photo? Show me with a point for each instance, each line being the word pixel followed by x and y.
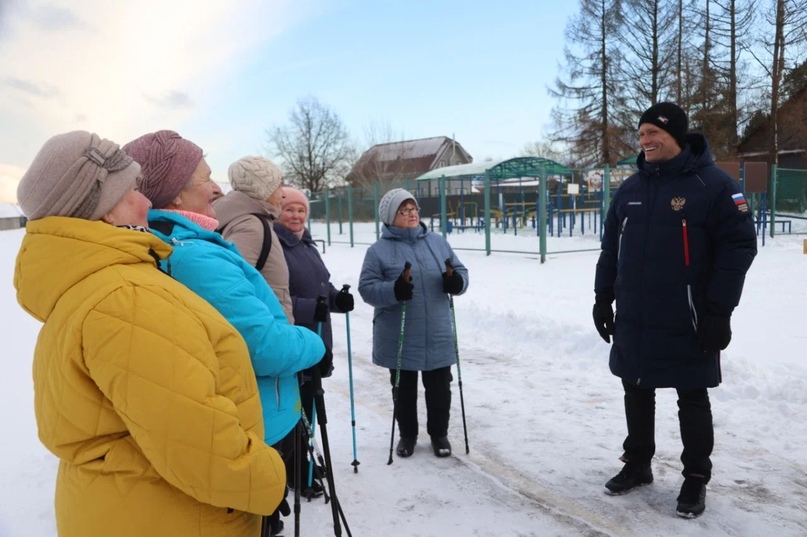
pixel 257 177
pixel 76 174
pixel 390 203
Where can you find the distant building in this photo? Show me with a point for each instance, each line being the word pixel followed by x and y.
pixel 395 162
pixel 792 135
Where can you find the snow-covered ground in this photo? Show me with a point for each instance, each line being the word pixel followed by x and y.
pixel 544 415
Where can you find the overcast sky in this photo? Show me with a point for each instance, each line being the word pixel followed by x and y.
pixel 221 72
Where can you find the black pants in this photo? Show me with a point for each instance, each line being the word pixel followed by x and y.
pixel 695 420
pixel 437 384
pixel 285 447
pixel 307 400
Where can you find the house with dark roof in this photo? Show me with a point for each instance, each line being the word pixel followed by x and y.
pixel 398 161
pixel 756 144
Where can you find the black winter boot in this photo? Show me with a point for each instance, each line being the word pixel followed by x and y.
pixel 441 446
pixel 406 446
pixel 692 500
pixel 632 475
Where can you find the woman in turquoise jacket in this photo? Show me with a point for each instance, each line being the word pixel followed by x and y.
pixel 176 179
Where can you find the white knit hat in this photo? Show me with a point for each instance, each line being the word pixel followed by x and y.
pixel 257 177
pixel 390 203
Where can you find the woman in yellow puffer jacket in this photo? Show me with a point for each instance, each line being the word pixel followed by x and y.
pixel 143 390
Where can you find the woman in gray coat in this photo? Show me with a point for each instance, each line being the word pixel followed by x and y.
pixel 428 338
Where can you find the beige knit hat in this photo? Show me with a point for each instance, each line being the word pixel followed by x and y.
pixel 76 174
pixel 257 177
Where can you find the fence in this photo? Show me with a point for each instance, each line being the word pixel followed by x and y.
pixel 12 222
pixel 782 208
pixel 543 207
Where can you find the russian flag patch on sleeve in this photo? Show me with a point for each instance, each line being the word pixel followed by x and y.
pixel 739 201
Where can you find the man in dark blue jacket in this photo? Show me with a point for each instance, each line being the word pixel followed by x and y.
pixel 678 241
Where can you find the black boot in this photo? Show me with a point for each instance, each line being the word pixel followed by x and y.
pixel 692 500
pixel 406 446
pixel 441 446
pixel 632 475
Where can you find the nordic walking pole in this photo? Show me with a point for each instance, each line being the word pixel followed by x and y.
pixel 322 420
pixel 298 476
pixel 346 289
pixel 319 317
pixel 449 272
pixel 405 275
pixel 314 451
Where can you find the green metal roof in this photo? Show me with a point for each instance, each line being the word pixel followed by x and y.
pixel 503 169
pixel 628 161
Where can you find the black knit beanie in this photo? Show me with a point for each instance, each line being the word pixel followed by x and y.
pixel 669 117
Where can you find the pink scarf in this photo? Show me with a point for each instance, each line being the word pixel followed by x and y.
pixel 205 222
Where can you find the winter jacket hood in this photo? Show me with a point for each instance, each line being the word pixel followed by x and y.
pixel 695 155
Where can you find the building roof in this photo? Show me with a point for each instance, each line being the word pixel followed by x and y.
pixel 410 157
pixel 500 169
pixel 411 149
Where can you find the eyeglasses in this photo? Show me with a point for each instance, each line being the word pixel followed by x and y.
pixel 407 211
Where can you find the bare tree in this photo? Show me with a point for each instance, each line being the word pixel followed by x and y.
pixel 546 148
pixel 315 148
pixel 381 132
pixel 587 118
pixel 648 45
pixel 385 163
pixel 727 34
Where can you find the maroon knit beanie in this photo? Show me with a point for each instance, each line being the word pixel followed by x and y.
pixel 167 161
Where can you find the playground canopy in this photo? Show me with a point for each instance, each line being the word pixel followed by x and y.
pixel 503 169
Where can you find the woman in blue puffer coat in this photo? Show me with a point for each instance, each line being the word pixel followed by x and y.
pixel 428 339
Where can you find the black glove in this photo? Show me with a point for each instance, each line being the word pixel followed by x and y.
pixel 284 508
pixel 604 318
pixel 321 312
pixel 325 365
pixel 714 332
pixel 452 284
pixel 403 289
pixel 344 301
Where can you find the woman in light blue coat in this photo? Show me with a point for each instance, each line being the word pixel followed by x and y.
pixel 428 341
pixel 176 179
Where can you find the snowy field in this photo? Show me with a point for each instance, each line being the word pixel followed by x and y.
pixel 544 415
